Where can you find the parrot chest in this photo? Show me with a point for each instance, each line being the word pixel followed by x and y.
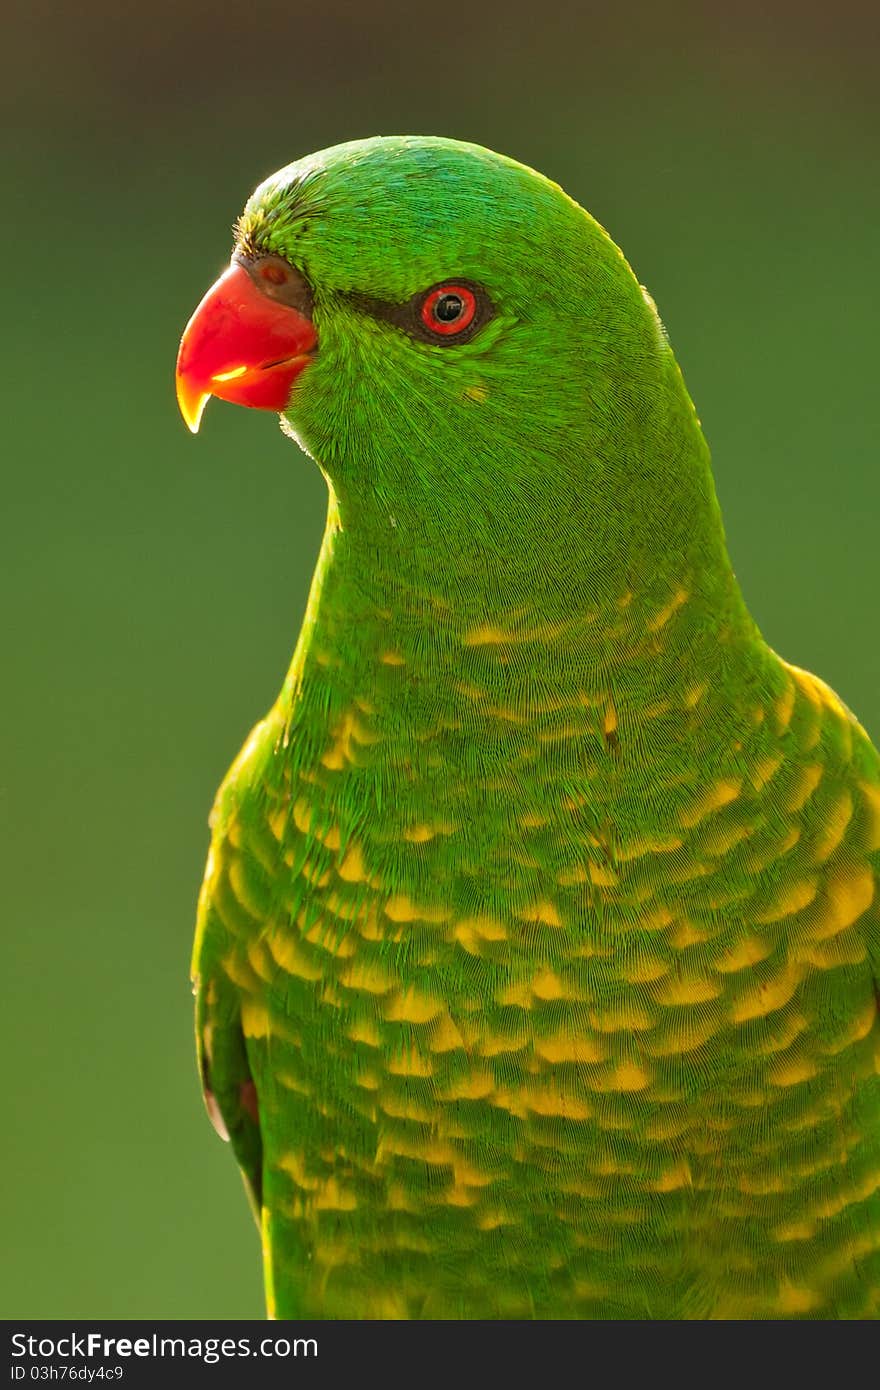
pixel 512 1016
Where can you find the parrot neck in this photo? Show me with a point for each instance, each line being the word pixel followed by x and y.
pixel 388 622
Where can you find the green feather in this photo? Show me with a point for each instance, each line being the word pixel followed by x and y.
pixel 541 909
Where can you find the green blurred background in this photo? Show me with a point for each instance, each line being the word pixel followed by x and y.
pixel 154 583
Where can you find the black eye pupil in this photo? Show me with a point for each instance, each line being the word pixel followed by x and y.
pixel 448 308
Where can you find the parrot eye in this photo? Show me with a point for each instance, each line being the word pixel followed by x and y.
pixel 446 314
pixel 449 309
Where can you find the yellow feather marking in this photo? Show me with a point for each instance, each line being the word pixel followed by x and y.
pixel 542 911
pixel 473 930
pixel 477 392
pixel 784 706
pixel 719 839
pixel 719 794
pixel 445 1036
pixel 368 977
pixel 625 1077
pixel 519 995
pixel 807 782
pixel 656 710
pixel 291 1082
pixel 348 730
pixel 662 618
pixel 476 1085
pixel 553 1101
pixel 795 1230
pixel 644 971
pixel 302 815
pixel 764 998
pixel 681 1035
pixel 419 834
pixel 871 804
pixel 565 1048
pixel 491 1220
pixel 238 884
pixel 370 929
pixel 669 1126
pixel 609 719
pixel 331 1197
pixel 240 973
pixel 278 821
pixel 365 1031
pixel 413 1006
pixel 629 1016
pixel 427 1150
pixel 655 919
pixel 793 1072
pixel 391 658
pixel 686 990
pixel 794 1299
pixel 567 878
pixel 858 1192
pixel 294 1164
pixel 694 694
pixel 848 893
pixel 400 908
pixel 320 878
pixel 763 1185
pixel 652 844
pixel 678 1176
pixel 858 1027
pixel 398 1199
pixel 688 933
pixel 411 1063
pixel 758 859
pixel 490 635
pixel 352 869
pixel 612 1166
pixel 740 956
pixel 494 1044
pixel 486 635
pixel 407 1108
pixel 328 937
pixel 459 1197
pixel 837 818
pixel 789 899
pixel 765 768
pixel 547 985
pixel 258 960
pixel 843 949
pixel 534 820
pixel 792 1025
pixel 809 685
pixel 255 1021
pixel 601 876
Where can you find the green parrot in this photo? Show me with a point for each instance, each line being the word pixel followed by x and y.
pixel 538 949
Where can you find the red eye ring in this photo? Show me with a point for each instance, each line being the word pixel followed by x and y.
pixel 443 315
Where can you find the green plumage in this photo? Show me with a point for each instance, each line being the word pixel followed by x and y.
pixel 538 947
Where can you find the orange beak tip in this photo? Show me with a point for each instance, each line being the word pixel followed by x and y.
pixel 192 402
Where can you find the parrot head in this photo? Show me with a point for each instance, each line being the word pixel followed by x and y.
pixel 434 323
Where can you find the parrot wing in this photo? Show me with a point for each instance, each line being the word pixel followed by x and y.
pixel 222 996
pixel 227 1084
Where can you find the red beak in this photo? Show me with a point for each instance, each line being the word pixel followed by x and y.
pixel 242 346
